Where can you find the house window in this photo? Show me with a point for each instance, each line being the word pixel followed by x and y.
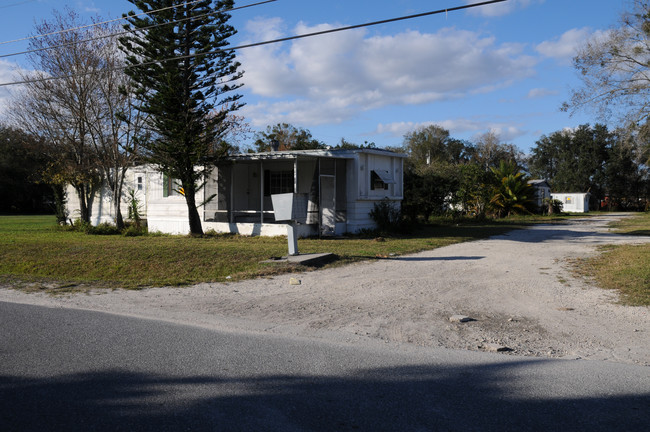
pixel 567 200
pixel 380 179
pixel 140 183
pixel 171 186
pixel 277 182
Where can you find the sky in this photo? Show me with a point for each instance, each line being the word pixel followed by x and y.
pixel 505 68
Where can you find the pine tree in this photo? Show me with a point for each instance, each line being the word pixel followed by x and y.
pixel 177 54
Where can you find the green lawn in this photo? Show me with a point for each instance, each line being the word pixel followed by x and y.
pixel 625 268
pixel 35 252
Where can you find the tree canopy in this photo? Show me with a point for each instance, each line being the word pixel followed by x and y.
pixel 185 78
pixel 592 159
pixel 615 70
pixel 433 143
pixel 72 111
pixel 288 137
pixel 572 159
pixel 23 159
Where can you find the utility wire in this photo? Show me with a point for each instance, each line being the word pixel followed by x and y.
pixel 16 4
pixel 106 36
pixel 112 20
pixel 256 44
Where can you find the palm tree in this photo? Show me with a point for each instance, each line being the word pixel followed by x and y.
pixel 512 194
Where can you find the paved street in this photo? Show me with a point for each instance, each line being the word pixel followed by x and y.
pixel 73 370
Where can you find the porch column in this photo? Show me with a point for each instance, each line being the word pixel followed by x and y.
pixel 295 175
pixel 261 192
pixel 231 198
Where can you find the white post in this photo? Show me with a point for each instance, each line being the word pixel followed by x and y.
pixel 292 238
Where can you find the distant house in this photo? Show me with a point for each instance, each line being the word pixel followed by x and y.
pixel 573 202
pixel 542 191
pixel 337 188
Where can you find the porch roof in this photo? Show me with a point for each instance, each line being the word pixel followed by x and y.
pixel 324 153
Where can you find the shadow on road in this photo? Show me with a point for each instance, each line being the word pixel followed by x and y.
pixel 472 398
pixel 543 234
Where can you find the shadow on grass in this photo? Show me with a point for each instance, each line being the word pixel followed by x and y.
pixel 638 233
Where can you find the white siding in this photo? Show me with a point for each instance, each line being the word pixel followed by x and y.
pixel 165 214
pixel 102 202
pixel 573 202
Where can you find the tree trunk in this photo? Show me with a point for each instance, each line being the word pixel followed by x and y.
pixel 84 212
pixel 192 212
pixel 117 201
pixel 119 220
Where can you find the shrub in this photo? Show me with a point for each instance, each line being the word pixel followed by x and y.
pixel 552 206
pixel 134 231
pixel 387 216
pixel 104 228
pixel 134 207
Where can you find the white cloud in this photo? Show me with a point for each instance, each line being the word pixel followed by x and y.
pixel 500 9
pixel 565 47
pixel 330 78
pixel 88 7
pixel 456 127
pixel 8 74
pixel 506 133
pixel 537 93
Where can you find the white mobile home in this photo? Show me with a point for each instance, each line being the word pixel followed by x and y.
pixel 573 202
pixel 102 211
pixel 337 188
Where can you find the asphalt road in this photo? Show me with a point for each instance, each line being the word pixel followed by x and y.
pixel 72 370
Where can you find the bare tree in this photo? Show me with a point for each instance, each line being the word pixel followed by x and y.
pixel 79 99
pixel 489 151
pixel 615 71
pixel 56 109
pixel 115 124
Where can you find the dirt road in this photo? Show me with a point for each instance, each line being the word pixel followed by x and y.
pixel 518 289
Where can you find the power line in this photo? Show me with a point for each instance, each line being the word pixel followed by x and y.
pixel 251 45
pixel 110 21
pixel 352 27
pixel 106 36
pixel 16 4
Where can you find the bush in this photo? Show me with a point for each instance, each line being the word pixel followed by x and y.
pixel 552 206
pixel 134 207
pixel 387 216
pixel 104 228
pixel 134 231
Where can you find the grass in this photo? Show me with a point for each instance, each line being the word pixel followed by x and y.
pixel 637 225
pixel 36 253
pixel 624 268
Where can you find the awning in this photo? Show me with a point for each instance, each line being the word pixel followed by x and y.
pixel 385 176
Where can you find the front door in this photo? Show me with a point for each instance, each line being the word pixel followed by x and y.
pixel 327 205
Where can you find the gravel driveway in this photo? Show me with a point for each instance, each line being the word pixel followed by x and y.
pixel 517 288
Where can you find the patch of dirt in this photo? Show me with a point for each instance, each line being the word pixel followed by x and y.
pixel 518 288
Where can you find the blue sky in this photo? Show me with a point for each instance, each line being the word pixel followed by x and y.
pixel 505 68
